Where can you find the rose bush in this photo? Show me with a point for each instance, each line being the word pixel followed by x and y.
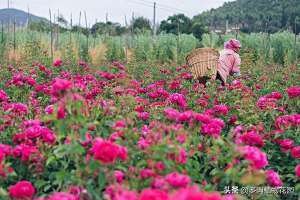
pixel 97 132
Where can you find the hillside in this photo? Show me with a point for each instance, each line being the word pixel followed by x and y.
pixel 254 15
pixel 8 16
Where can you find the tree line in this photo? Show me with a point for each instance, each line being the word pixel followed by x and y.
pixel 250 15
pixel 176 24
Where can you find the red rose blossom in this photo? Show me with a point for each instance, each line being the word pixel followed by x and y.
pixel 22 190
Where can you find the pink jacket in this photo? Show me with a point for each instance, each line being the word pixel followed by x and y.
pixel 229 63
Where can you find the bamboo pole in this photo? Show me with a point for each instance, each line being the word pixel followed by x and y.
pixel 51 34
pixel 2 32
pixel 95 34
pixel 295 41
pixel 79 30
pixel 28 17
pixel 178 37
pixel 14 35
pixel 87 35
pixel 71 27
pixel 57 31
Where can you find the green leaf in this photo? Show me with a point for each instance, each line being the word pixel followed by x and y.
pixel 50 160
pixel 101 180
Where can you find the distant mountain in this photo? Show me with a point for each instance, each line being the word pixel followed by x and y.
pixel 9 14
pixel 254 15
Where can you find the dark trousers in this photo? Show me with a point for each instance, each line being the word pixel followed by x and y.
pixel 204 79
pixel 220 78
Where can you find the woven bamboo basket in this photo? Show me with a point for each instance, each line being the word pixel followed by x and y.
pixel 203 63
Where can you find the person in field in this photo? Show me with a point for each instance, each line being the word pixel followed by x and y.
pixel 229 60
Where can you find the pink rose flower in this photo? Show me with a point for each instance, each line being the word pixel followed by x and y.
pixel 152 194
pixel 107 152
pixel 296 152
pixel 3 96
pixel 57 63
pixel 62 196
pixel 293 92
pixel 61 85
pixel 273 178
pixel 22 190
pixel 178 180
pixel 119 176
pixel 297 170
pixel 257 158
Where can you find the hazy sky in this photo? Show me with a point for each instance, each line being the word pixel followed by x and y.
pixel 116 9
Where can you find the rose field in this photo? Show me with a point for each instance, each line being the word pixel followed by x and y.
pixel 148 132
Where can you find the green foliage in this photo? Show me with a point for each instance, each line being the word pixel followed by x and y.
pixel 282 45
pixel 141 25
pixel 69 55
pixel 198 29
pixel 84 52
pixel 41 26
pixel 3 47
pixel 110 28
pixel 143 48
pixel 176 24
pixel 115 49
pixel 213 161
pixel 210 40
pixel 186 43
pixel 277 48
pixel 33 50
pixel 165 48
pixel 254 15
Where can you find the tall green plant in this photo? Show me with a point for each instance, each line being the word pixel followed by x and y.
pixel 115 49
